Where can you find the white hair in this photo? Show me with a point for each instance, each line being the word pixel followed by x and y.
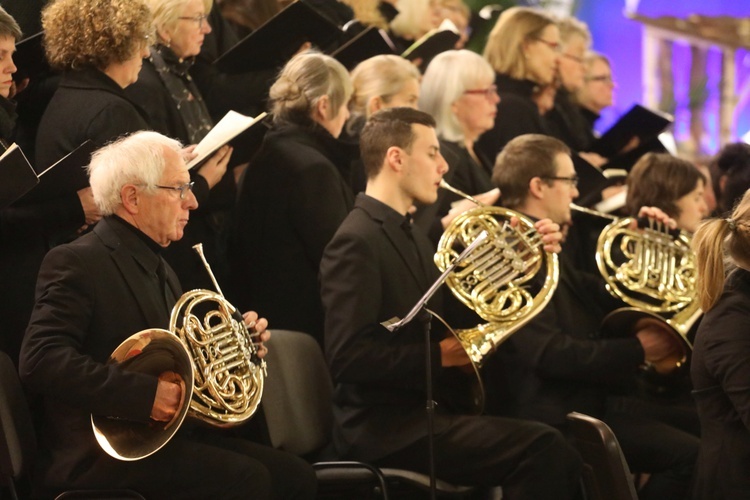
pixel 135 159
pixel 447 77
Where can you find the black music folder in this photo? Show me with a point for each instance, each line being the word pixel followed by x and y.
pixel 433 43
pixel 639 121
pixel 65 176
pixel 369 43
pixel 29 58
pixel 243 133
pixel 17 177
pixel 275 42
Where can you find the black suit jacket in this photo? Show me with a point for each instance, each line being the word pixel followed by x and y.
pixel 560 361
pixel 91 295
pixel 292 199
pixel 370 273
pixel 720 371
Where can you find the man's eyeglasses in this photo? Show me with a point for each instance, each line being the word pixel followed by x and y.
pixel 572 180
pixel 602 78
pixel 183 189
pixel 200 19
pixel 552 45
pixel 489 92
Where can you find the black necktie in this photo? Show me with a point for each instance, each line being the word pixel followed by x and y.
pixel 161 272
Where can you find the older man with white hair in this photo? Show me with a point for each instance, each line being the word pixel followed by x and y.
pixel 96 292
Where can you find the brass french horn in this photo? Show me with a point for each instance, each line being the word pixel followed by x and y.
pixel 652 270
pixel 212 353
pixel 494 279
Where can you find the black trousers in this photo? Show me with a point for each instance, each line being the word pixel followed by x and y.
pixel 206 465
pixel 650 444
pixel 528 459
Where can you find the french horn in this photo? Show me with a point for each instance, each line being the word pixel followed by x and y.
pixel 210 351
pixel 652 270
pixel 495 279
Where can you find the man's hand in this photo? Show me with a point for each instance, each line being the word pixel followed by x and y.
pixel 594 159
pixel 657 342
pixel 168 398
pixel 258 326
pixel 551 235
pixel 451 352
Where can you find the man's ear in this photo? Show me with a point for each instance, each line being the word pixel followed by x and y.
pixel 129 196
pixel 395 158
pixel 536 188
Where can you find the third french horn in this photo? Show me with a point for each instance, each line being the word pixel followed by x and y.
pixel 652 270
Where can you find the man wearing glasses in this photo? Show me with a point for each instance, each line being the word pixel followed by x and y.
pixel 561 361
pixel 97 291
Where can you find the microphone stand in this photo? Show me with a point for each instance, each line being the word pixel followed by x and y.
pixel 424 315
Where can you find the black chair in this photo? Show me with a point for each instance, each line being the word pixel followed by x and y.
pixel 297 405
pixel 18 442
pixel 606 475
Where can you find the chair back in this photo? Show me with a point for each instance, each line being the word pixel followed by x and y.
pixel 297 399
pixel 17 439
pixel 606 474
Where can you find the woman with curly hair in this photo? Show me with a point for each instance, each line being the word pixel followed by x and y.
pixel 294 195
pixel 99 45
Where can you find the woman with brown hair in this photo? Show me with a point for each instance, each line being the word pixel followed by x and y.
pixel 720 367
pixel 674 185
pixel 523 49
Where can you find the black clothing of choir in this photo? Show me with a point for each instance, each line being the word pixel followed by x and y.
pixel 566 122
pixel 721 376
pixel 166 92
pixel 87 105
pixel 517 114
pixel 293 197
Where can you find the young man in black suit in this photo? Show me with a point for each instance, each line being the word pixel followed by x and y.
pixel 376 267
pixel 97 291
pixel 561 361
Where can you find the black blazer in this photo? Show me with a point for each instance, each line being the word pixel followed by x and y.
pixel 291 200
pixel 560 362
pixel 370 273
pixel 517 114
pixel 87 105
pixel 91 295
pixel 720 371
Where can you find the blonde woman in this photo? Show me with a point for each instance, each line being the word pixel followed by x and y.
pixel 381 82
pixel 294 194
pixel 523 49
pixel 720 368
